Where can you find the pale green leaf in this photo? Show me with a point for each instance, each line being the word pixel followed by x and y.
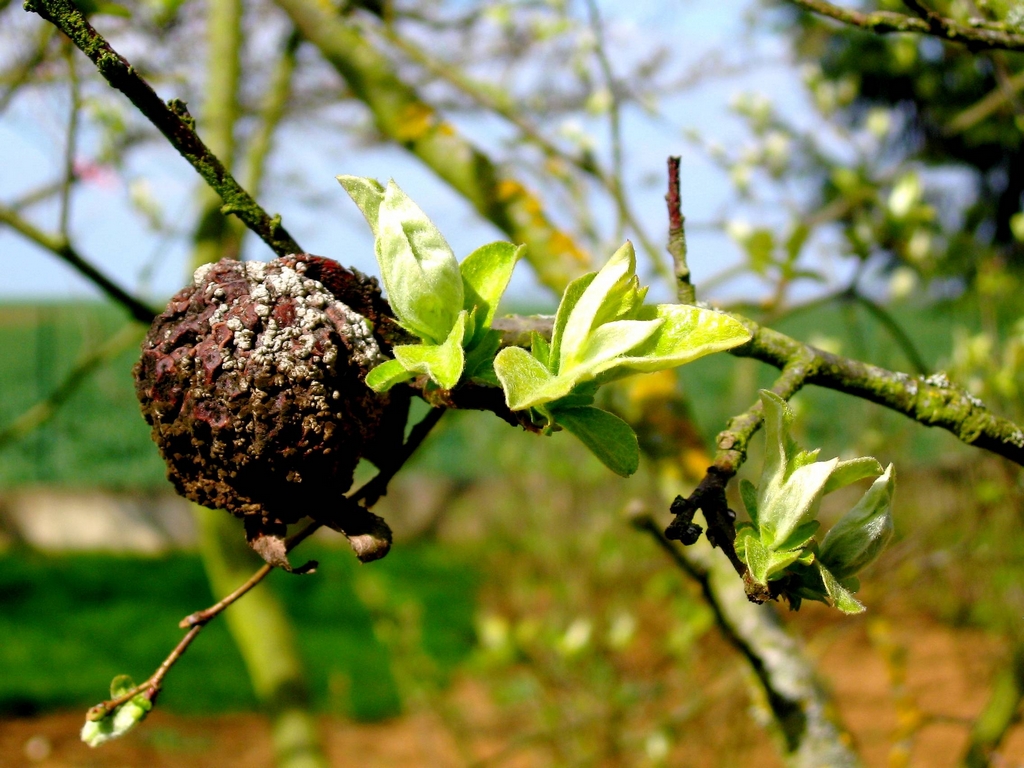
pixel 367 194
pixel 485 275
pixel 786 502
pixel 480 356
pixel 607 436
pixel 777 419
pixel 582 319
pixel 862 533
pixel 608 342
pixel 526 382
pixel 386 375
pixel 443 363
pixel 840 596
pixel 120 685
pixel 685 334
pixel 847 472
pixel 800 536
pixel 540 348
pixel 418 268
pixel 570 297
pixel 749 495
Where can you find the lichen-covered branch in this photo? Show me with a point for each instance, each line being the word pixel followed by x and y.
pixel 927 23
pixel 933 401
pixel 62 248
pixel 172 120
pixel 405 118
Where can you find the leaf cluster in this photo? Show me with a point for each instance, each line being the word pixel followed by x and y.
pixel 778 544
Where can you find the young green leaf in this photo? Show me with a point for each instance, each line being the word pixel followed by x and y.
pixel 847 472
pixel 607 436
pixel 386 375
pixel 525 380
pixel 606 287
pixel 443 363
pixel 570 297
pixel 367 194
pixel 418 268
pixel 485 275
pixel 840 596
pixel 684 334
pixel 862 533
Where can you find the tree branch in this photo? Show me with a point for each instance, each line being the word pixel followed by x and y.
pixel 936 25
pixel 172 120
pixel 44 410
pixel 63 249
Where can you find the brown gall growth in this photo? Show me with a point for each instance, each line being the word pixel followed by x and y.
pixel 252 380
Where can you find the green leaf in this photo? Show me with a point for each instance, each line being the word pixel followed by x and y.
pixel 120 685
pixel 847 472
pixel 607 436
pixel 480 356
pixel 526 382
pixel 784 503
pixel 367 194
pixel 684 334
pixel 800 536
pixel 777 420
pixel 443 363
pixel 540 348
pixel 418 268
pixel 608 342
pixel 485 275
pixel 570 297
pixel 762 561
pixel 606 287
pixel 749 495
pixel 840 596
pixel 862 533
pixel 386 375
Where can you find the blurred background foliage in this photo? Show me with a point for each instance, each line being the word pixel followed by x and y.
pixel 520 609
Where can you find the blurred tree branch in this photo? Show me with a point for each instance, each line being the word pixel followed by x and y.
pixel 63 249
pixel 403 116
pixel 172 120
pixel 802 712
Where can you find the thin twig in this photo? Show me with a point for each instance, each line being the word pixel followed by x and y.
pixel 43 411
pixel 369 493
pixel 685 292
pixel 709 495
pixel 60 247
pixel 172 120
pixel 70 146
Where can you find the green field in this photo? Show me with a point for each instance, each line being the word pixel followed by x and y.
pixel 71 623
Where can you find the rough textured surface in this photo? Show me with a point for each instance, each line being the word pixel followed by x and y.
pixel 252 380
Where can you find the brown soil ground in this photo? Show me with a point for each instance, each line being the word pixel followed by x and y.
pixel 907 690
